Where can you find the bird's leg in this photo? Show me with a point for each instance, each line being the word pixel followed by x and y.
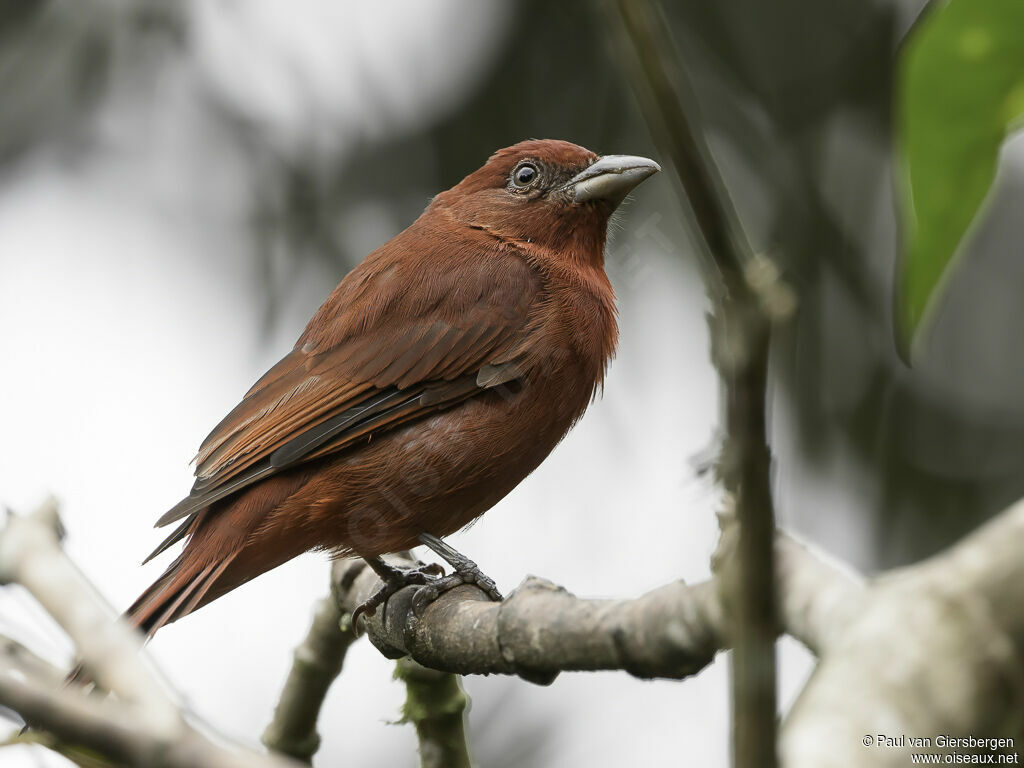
pixel 394 579
pixel 464 571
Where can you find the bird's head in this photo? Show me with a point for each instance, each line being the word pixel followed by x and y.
pixel 550 193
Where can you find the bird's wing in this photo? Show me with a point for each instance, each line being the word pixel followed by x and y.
pixel 382 351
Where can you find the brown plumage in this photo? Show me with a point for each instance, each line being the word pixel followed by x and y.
pixel 437 375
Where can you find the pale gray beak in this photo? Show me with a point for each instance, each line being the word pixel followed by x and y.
pixel 611 178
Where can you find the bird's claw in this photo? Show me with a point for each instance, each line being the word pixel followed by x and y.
pixel 394 581
pixel 432 590
pixel 430 578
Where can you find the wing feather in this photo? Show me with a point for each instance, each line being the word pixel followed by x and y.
pixel 376 355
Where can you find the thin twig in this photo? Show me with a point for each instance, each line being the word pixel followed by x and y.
pixel 669 104
pixel 745 293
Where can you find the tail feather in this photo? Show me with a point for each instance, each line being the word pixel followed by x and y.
pixel 206 590
pixel 175 594
pixel 188 580
pixel 225 545
pixel 169 609
pixel 176 535
pixel 165 600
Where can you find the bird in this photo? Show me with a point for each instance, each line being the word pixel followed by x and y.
pixel 438 374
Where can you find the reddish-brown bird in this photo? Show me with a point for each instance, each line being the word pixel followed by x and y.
pixel 437 375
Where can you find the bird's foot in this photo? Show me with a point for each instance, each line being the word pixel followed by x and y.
pixel 464 571
pixel 428 593
pixel 394 579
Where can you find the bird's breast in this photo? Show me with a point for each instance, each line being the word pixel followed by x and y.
pixel 439 474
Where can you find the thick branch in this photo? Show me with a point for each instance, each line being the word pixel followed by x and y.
pixel 541 629
pixel 74 718
pixel 113 728
pixel 141 726
pixel 936 648
pixel 14 653
pixel 815 598
pixel 31 555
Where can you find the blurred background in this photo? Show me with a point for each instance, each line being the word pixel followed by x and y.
pixel 182 184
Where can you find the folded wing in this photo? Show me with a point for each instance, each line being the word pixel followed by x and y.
pixel 394 342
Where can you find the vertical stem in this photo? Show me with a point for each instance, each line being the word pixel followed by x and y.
pixel 435 704
pixel 752 608
pixel 741 332
pixel 316 663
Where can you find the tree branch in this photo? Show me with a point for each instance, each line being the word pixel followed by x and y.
pixel 30 555
pixel 541 629
pixel 436 705
pixel 816 597
pixel 102 725
pixel 141 726
pixel 936 648
pixel 316 663
pixel 748 296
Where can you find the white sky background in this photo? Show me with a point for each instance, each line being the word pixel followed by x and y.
pixel 131 325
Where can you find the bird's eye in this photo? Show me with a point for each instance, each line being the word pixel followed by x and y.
pixel 524 175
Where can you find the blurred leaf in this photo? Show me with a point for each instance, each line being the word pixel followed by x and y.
pixel 961 90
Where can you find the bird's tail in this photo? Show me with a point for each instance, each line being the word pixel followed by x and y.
pixel 227 544
pixel 181 589
pixel 186 584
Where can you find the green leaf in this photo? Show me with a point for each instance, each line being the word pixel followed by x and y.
pixel 961 90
